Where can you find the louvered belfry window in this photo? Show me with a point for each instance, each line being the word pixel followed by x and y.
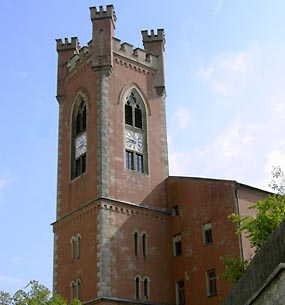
pixel 133 112
pixel 138 117
pixel 128 114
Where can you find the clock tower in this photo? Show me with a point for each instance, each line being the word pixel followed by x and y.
pixel 111 227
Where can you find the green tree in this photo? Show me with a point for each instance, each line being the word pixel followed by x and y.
pixel 33 294
pixel 234 268
pixel 269 214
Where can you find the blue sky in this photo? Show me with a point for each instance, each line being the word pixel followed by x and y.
pixel 225 103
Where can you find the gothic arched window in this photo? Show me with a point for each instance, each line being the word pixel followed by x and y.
pixel 136 243
pixel 72 290
pixel 135 133
pixel 78 288
pixel 79 138
pixel 146 288
pixel 144 244
pixel 137 280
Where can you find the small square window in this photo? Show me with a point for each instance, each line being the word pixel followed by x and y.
pixel 177 245
pixel 207 233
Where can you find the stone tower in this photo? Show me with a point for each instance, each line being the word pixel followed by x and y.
pixel 112 227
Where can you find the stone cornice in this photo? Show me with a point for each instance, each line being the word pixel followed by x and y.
pixel 113 205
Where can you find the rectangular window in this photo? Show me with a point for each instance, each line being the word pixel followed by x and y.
pixel 211 283
pixel 207 233
pixel 139 163
pixel 80 165
pixel 175 211
pixel 129 159
pixel 180 293
pixel 177 245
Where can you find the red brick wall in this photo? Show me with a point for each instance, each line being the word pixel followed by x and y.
pixel 201 201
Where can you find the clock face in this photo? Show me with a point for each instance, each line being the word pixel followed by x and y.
pixel 134 141
pixel 80 145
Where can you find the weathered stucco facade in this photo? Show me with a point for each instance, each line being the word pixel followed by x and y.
pixel 125 231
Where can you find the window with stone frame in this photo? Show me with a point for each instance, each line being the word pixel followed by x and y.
pixel 207 233
pixel 144 244
pixel 135 133
pixel 137 283
pixel 211 283
pixel 75 287
pixel 136 243
pixel 146 288
pixel 79 138
pixel 78 284
pixel 177 245
pixel 72 290
pixel 75 244
pixel 180 292
pixel 78 248
pixel 175 210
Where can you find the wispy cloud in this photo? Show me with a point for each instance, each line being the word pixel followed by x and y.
pixel 16 260
pixel 181 117
pixel 9 279
pixel 3 183
pixel 229 73
pixel 245 150
pixel 218 7
pixel 19 73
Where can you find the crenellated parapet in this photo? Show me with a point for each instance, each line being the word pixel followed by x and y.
pixel 103 47
pixel 66 44
pixel 138 55
pixel 100 13
pixel 159 36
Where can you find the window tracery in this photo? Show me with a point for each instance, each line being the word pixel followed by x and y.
pixel 135 133
pixel 79 138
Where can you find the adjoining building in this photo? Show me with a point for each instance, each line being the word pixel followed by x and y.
pixel 264 280
pixel 126 232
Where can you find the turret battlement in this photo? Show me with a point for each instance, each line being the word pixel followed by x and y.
pixel 101 13
pixel 67 45
pixel 138 55
pixel 153 37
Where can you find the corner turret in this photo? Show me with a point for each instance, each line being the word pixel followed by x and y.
pixel 154 44
pixel 65 49
pixel 103 22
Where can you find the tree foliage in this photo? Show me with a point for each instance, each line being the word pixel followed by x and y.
pixel 33 294
pixel 269 214
pixel 234 268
